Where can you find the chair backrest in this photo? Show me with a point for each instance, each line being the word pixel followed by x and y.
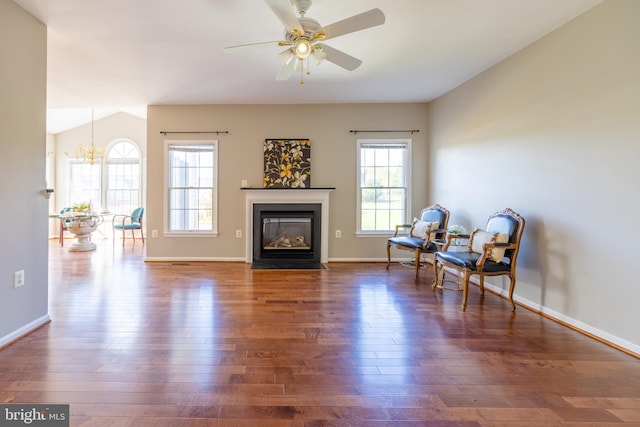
pixel 64 211
pixel 436 213
pixel 510 222
pixel 136 215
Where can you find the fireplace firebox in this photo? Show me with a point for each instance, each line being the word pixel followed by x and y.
pixel 286 235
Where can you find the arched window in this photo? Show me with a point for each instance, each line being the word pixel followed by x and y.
pixel 123 177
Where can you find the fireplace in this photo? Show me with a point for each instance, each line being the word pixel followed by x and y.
pixel 287 209
pixel 286 234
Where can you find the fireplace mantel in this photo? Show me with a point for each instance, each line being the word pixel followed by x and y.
pixel 287 195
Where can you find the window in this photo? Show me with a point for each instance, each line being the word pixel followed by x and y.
pixel 123 177
pixel 192 187
pixel 84 183
pixel 383 184
pixel 112 183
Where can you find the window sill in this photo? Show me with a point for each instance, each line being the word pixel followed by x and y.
pixel 374 233
pixel 190 234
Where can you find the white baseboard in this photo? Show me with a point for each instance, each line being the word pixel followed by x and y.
pixel 194 259
pixel 26 329
pixel 552 314
pixel 575 324
pixel 403 259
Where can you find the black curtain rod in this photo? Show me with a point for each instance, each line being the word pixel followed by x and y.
pixel 384 131
pixel 217 132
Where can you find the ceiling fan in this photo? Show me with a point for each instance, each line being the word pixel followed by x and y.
pixel 303 36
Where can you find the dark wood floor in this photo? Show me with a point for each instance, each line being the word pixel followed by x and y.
pixel 136 344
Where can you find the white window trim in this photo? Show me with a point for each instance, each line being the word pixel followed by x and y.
pixel 359 143
pixel 214 231
pixel 111 144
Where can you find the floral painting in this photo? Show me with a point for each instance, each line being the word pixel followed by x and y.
pixel 287 163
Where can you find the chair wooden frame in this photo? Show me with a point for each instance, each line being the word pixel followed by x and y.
pixel 427 213
pixel 483 266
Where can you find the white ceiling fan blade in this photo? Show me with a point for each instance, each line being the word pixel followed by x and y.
pixel 359 22
pixel 230 49
pixel 286 15
pixel 340 58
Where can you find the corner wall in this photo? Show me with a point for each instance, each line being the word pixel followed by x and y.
pixel 554 133
pixel 23 219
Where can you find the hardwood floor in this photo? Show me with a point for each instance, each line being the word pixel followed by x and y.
pixel 134 344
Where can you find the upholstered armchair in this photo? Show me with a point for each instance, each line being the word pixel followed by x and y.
pixel 421 235
pixel 129 222
pixel 491 252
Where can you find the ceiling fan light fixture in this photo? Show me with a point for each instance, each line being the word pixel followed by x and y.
pixel 286 56
pixel 318 55
pixel 303 48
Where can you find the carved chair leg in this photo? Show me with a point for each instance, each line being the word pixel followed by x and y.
pixel 388 255
pixel 512 286
pixel 465 290
pixel 482 284
pixel 434 285
pixel 438 274
pixel 417 265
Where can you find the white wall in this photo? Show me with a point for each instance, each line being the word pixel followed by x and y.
pixel 554 133
pixel 23 245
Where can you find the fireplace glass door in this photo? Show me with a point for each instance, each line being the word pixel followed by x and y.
pixel 283 233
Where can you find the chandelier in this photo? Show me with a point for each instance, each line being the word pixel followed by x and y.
pixel 91 153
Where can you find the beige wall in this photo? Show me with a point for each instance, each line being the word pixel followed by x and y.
pixel 333 154
pixel 23 246
pixel 553 132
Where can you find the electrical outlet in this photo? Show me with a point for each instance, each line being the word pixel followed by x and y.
pixel 154 233
pixel 18 279
pixel 338 234
pixel 238 234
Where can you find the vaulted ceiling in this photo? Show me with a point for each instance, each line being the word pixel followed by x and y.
pixel 132 53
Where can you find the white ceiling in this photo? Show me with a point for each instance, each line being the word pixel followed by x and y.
pixel 131 53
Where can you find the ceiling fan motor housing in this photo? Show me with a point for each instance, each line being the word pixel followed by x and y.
pixel 310 27
pixel 301 6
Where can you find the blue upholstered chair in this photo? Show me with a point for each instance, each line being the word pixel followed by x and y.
pixel 421 235
pixel 129 222
pixel 490 252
